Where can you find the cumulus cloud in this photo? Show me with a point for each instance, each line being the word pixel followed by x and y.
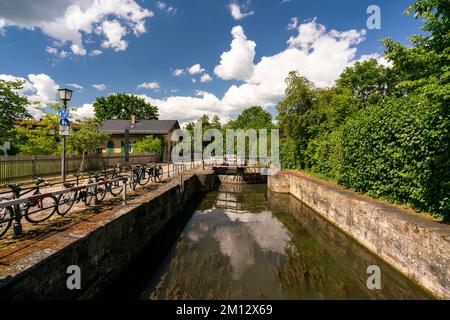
pixel 99 86
pixel 84 112
pixel 205 78
pixel 377 56
pixel 60 54
pixel 237 12
pixel 69 21
pixel 149 85
pixel 314 52
pixel 95 53
pixel 178 72
pixel 196 69
pixel 237 63
pixel 40 89
pixel 114 33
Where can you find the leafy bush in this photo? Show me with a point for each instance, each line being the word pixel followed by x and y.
pixel 400 151
pixel 149 144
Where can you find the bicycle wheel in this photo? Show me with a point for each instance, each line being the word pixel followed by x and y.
pixel 159 173
pixel 40 210
pixel 100 190
pixel 136 179
pixel 145 179
pixel 65 203
pixel 115 187
pixel 6 218
pixel 90 197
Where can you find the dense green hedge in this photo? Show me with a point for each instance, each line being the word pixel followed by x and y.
pixel 400 151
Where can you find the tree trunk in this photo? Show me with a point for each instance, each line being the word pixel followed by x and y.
pixel 82 162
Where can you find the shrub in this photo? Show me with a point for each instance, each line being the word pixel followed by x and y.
pixel 400 151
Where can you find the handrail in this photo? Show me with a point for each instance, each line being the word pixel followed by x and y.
pixel 17 205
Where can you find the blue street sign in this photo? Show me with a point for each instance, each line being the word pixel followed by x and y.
pixel 63 114
pixel 64 122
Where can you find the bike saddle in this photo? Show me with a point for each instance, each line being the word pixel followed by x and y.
pixel 40 180
pixel 68 185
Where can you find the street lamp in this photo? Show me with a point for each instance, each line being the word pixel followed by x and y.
pixel 65 95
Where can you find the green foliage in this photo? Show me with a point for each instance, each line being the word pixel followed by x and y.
pixel 400 151
pixel 12 107
pixel 252 118
pixel 381 131
pixel 86 138
pixel 37 138
pixel 368 81
pixel 149 144
pixel 122 106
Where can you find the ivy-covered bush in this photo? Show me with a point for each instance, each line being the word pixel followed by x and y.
pixel 400 151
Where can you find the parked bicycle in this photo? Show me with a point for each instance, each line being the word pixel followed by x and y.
pixel 141 175
pixel 39 208
pixel 86 193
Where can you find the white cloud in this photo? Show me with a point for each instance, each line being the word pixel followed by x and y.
pixel 76 86
pixel 61 54
pixel 78 50
pixel 238 62
pixel 293 24
pixel 149 85
pixel 95 53
pixel 99 86
pixel 84 112
pixel 114 32
pixel 40 89
pixel 380 59
pixel 178 72
pixel 164 7
pixel 196 69
pixel 205 78
pixel 237 12
pixel 71 20
pixel 315 53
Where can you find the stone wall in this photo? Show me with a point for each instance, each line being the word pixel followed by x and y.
pixel 414 244
pixel 102 247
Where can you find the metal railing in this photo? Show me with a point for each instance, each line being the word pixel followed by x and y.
pixel 12 211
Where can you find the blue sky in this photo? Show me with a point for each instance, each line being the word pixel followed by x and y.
pixel 118 45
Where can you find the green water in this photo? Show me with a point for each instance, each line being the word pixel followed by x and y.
pixel 244 242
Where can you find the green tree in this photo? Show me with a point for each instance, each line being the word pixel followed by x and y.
pixel 369 81
pixel 86 139
pixel 12 107
pixel 122 106
pixel 37 138
pixel 149 144
pixel 252 118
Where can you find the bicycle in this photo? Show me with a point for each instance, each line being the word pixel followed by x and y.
pixel 156 173
pixel 39 208
pixel 141 175
pixel 89 195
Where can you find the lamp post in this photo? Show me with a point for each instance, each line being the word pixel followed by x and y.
pixel 65 95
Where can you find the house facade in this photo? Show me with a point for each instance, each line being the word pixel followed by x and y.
pixel 138 130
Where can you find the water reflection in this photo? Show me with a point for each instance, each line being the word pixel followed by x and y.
pixel 245 243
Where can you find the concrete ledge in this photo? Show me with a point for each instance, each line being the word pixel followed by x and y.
pixel 102 246
pixel 416 245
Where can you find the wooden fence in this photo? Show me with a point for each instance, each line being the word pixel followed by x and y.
pixel 21 168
